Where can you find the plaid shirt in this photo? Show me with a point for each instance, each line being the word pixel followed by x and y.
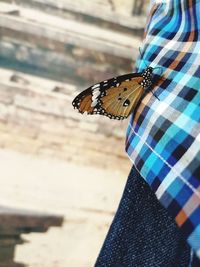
pixel 163 137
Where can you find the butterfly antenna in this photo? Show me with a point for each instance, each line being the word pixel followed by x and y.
pixel 140 52
pixel 141 57
pixel 154 94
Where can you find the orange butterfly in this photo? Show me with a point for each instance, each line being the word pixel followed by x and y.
pixel 115 98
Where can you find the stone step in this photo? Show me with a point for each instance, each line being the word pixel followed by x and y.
pixel 14 223
pixel 33 83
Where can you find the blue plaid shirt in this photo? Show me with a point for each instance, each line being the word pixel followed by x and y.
pixel 163 137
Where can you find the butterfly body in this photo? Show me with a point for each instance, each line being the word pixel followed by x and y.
pixel 115 98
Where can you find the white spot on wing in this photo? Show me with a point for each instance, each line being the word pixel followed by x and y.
pixel 94 102
pixel 95 86
pixel 96 93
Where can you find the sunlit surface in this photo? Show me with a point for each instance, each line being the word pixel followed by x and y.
pixel 87 197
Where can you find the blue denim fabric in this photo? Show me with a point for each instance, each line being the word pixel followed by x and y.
pixel 142 233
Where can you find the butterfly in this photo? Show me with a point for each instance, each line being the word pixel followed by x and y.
pixel 115 98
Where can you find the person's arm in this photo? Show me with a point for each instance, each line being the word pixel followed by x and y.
pixel 163 138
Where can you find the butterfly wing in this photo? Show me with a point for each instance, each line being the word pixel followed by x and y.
pixel 115 98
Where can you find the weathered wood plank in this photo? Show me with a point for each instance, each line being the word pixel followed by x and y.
pixel 67 31
pixel 63 67
pixel 91 11
pixel 53 47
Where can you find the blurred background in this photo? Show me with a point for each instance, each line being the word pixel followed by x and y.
pixel 62 173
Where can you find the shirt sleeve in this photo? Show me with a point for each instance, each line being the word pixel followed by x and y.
pixel 163 137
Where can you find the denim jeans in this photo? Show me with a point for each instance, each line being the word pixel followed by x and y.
pixel 142 233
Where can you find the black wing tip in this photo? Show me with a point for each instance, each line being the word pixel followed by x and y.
pixel 75 103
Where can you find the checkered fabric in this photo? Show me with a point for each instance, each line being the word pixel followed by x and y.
pixel 163 137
